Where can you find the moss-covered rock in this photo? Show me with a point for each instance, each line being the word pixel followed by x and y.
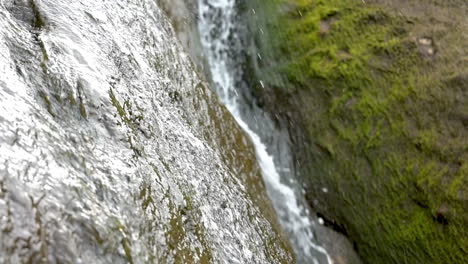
pixel 380 92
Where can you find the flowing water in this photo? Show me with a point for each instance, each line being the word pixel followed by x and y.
pixel 221 32
pixel 113 149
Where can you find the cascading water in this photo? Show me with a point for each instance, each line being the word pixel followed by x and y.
pixel 220 36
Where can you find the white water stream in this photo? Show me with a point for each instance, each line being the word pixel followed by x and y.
pixel 219 37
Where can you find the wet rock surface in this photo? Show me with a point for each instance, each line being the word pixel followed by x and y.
pixel 113 149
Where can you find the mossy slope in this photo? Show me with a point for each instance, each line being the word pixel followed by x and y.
pixel 382 99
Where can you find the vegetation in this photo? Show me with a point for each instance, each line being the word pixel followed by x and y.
pixel 384 111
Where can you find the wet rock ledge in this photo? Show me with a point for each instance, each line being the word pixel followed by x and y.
pixel 114 150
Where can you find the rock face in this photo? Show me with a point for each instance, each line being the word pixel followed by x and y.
pixel 184 17
pixel 113 149
pixel 377 95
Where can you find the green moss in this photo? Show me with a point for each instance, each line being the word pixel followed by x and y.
pixel 378 115
pixel 81 96
pixel 178 240
pixel 38 22
pixel 47 102
pixel 118 106
pixel 127 249
pixel 130 115
pixel 131 119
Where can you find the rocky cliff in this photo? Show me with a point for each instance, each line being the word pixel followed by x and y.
pixel 114 150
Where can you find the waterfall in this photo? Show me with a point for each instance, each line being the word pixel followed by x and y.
pixel 221 37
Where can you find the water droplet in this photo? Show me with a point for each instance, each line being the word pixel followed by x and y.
pixel 321 221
